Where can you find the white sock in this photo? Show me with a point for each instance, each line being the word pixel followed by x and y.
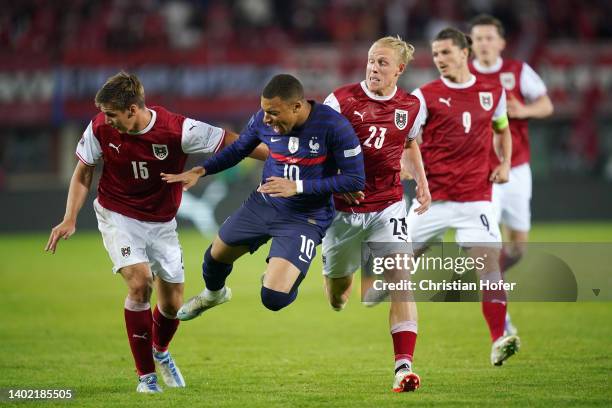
pixel 213 294
pixel 401 362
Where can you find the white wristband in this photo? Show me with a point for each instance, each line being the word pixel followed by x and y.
pixel 299 185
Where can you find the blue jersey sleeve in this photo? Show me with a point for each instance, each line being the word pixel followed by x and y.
pixel 344 145
pixel 234 153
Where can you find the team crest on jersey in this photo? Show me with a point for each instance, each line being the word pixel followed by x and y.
pixel 314 146
pixel 401 119
pixel 125 251
pixel 508 80
pixel 294 144
pixel 160 151
pixel 486 100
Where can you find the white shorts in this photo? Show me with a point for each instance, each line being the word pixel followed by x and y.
pixel 343 239
pixel 129 242
pixel 512 200
pixel 473 221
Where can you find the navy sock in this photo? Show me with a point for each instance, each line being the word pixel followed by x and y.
pixel 214 272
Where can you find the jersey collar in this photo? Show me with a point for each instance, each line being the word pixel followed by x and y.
pixel 377 97
pixel 488 70
pixel 150 125
pixel 464 85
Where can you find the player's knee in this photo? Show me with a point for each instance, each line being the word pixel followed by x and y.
pixel 275 300
pixel 337 302
pixel 140 293
pixel 167 310
pixel 214 272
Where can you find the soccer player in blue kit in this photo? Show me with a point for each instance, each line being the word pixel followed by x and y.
pixel 314 152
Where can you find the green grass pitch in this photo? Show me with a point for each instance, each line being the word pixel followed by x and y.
pixel 61 326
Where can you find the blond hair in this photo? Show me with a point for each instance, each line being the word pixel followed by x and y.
pixel 121 91
pixel 404 51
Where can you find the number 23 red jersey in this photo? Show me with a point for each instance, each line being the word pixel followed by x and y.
pixel 457 137
pixel 382 124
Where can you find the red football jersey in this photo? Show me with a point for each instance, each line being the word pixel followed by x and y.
pixel 522 83
pixel 131 183
pixel 382 123
pixel 458 137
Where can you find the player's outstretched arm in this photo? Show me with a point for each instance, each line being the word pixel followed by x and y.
pixel 412 162
pixel 261 152
pixel 503 148
pixel 188 178
pixel 77 193
pixel 540 108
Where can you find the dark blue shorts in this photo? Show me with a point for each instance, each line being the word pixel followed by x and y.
pixel 256 221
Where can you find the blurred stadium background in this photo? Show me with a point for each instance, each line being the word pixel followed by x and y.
pixel 209 59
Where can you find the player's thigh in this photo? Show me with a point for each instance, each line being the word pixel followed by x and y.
pixel 429 226
pixel 341 247
pixel 281 275
pixel 476 225
pixel 164 251
pixel 486 255
pixel 124 238
pixel 296 243
pixel 227 254
pixel 243 231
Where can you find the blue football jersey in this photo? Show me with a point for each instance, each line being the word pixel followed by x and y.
pixel 324 154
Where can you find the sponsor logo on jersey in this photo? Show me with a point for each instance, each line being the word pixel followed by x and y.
pixel 508 80
pixel 294 144
pixel 401 119
pixel 160 151
pixel 125 251
pixel 115 147
pixel 275 139
pixel 359 114
pixel 314 146
pixel 486 100
pixel 445 101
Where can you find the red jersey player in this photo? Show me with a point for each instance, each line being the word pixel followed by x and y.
pixel 135 211
pixel 457 139
pixel 386 120
pixel 527 98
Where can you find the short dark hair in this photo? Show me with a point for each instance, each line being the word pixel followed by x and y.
pixel 285 86
pixel 121 91
pixel 486 19
pixel 459 39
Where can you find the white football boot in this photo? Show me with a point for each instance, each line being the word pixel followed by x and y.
pixel 167 367
pixel 198 304
pixel 504 348
pixel 148 384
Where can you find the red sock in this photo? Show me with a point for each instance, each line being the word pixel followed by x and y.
pixel 404 340
pixel 163 330
pixel 139 326
pixel 495 315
